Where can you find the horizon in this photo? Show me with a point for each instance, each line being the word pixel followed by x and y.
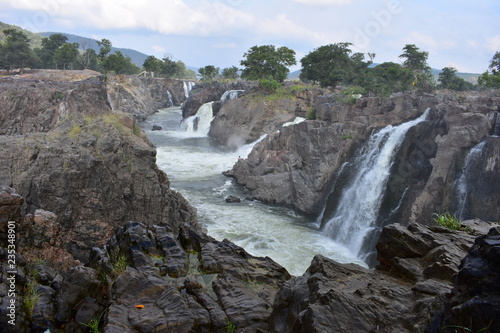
pixel 455 34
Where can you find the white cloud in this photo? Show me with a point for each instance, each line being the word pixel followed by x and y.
pixel 159 49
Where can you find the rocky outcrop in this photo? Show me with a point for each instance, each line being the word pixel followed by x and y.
pixel 146 279
pixel 90 166
pixel 205 92
pixel 475 305
pixel 404 294
pixel 300 166
pixel 142 97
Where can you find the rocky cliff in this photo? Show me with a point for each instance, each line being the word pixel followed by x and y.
pixel 299 166
pixel 67 151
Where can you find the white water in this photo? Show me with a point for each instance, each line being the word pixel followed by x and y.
pixel 187 85
pixel 194 165
pixel 230 94
pixel 199 124
pixel 356 214
pixel 462 184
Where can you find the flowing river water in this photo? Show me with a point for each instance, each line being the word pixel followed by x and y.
pixel 194 164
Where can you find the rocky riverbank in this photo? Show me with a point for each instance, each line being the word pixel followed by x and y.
pixel 103 241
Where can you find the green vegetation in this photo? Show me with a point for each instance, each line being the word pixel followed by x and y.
pixel 267 62
pixel 311 114
pixel 449 80
pixel 346 136
pixel 458 328
pixel 119 262
pixel 350 95
pixel 491 78
pixel 93 324
pixel 30 298
pixel 75 131
pixel 269 86
pixel 208 73
pixel 230 327
pixel 448 221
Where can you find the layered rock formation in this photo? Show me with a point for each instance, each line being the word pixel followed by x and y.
pixel 405 294
pixel 299 166
pixel 83 161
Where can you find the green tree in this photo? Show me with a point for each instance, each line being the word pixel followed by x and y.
pixel 208 73
pixel 104 48
pixel 88 59
pixel 332 64
pixel 230 72
pixel 267 62
pixel 49 47
pixel 67 54
pixel 449 79
pixel 416 61
pixel 16 52
pixel 120 64
pixel 387 78
pixel 491 77
pixel 152 64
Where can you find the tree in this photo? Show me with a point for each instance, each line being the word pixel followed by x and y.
pixel 104 49
pixel 332 64
pixel 120 64
pixel 16 52
pixel 208 73
pixel 387 78
pixel 170 68
pixel 450 80
pixel 152 64
pixel 267 62
pixel 491 77
pixel 416 61
pixel 88 59
pixel 66 54
pixel 230 72
pixel 49 47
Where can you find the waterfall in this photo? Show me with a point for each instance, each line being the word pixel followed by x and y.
pixel 199 124
pixel 188 85
pixel 296 121
pixel 230 94
pixel 496 131
pixel 109 102
pixel 462 183
pixel 355 216
pixel 170 102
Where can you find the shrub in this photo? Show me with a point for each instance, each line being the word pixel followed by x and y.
pixel 448 221
pixel 269 85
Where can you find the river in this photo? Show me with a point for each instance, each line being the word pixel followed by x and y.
pixel 194 164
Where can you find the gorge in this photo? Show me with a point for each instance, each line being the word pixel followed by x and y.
pixel 88 190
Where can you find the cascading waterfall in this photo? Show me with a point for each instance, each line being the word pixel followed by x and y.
pixel 199 124
pixel 356 214
pixel 496 131
pixel 187 85
pixel 170 102
pixel 230 94
pixel 462 183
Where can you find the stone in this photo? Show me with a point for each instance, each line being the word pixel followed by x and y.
pixel 156 128
pixel 233 199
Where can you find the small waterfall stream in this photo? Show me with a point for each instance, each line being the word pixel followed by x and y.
pixel 199 124
pixel 463 183
pixel 355 216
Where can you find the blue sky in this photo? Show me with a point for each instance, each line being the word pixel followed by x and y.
pixel 462 34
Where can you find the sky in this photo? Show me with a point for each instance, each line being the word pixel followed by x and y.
pixel 461 34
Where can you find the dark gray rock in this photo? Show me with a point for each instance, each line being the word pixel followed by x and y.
pixel 233 199
pixel 156 128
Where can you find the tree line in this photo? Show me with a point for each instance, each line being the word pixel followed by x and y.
pixel 328 65
pixel 336 64
pixel 56 53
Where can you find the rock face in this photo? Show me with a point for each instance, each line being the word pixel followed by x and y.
pixel 404 294
pixel 475 304
pixel 297 166
pixel 90 166
pixel 151 279
pixel 300 166
pixel 142 97
pixel 205 92
pixel 245 119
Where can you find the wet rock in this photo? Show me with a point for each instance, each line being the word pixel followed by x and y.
pixel 475 304
pixel 232 199
pixel 156 128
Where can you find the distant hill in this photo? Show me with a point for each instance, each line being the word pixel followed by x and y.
pixel 35 39
pixel 471 77
pixel 136 56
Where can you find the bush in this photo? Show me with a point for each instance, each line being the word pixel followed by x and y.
pixel 448 221
pixel 269 85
